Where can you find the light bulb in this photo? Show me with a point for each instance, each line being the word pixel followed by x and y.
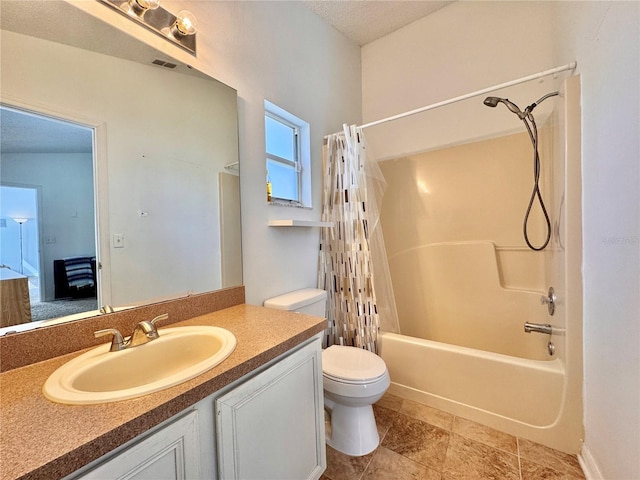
pixel 186 23
pixel 149 4
pixel 141 6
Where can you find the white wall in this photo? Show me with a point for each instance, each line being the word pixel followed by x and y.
pixel 604 38
pixel 161 161
pixel 282 52
pixel 464 47
pixel 67 201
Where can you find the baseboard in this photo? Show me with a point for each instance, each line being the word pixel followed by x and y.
pixel 589 465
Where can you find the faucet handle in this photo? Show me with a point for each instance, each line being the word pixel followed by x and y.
pixel 164 316
pixel 117 343
pixel 550 300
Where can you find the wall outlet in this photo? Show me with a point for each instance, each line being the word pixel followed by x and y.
pixel 118 240
pixel 50 239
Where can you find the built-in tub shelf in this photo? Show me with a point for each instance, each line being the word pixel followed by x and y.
pixel 299 223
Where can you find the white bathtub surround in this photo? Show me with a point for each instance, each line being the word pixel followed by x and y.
pixel 353 188
pixel 476 197
pixel 475 298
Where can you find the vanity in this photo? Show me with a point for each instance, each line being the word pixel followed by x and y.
pixel 258 414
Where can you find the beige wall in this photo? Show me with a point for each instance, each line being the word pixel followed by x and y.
pixel 452 220
pixel 475 191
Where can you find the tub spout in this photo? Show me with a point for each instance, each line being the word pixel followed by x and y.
pixel 538 328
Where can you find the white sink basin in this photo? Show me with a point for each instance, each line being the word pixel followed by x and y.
pixel 100 376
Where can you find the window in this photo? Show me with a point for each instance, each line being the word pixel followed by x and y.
pixel 287 152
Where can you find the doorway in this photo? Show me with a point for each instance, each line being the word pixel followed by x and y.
pixel 47 167
pixel 19 234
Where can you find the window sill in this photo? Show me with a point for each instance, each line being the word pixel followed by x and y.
pixel 298 223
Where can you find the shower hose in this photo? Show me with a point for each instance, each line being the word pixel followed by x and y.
pixel 530 123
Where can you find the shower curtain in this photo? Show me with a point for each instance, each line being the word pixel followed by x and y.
pixel 353 264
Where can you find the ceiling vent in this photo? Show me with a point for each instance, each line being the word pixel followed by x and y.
pixel 162 63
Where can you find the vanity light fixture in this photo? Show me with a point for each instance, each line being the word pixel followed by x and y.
pixel 139 7
pixel 179 29
pixel 185 24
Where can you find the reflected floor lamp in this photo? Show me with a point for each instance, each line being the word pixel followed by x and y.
pixel 20 221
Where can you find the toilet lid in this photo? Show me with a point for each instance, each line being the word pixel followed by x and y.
pixel 352 364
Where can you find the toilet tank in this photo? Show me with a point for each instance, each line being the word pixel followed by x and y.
pixel 311 301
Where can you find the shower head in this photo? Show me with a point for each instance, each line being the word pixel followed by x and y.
pixel 493 102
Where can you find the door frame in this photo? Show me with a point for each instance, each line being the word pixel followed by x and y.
pixel 100 183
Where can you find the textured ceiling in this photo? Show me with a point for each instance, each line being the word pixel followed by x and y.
pixel 364 21
pixel 24 133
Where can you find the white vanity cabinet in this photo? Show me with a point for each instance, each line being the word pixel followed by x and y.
pixel 271 427
pixel 171 453
pixel 268 425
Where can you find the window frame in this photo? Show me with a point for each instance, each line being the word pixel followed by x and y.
pixel 296 164
pixel 302 151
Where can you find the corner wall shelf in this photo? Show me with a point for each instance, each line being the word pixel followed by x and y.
pixel 298 223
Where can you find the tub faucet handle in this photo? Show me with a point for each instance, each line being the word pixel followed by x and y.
pixel 550 300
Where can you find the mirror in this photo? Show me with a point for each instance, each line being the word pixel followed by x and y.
pixel 164 154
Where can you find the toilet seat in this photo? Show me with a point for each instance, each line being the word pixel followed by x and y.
pixel 352 365
pixel 366 381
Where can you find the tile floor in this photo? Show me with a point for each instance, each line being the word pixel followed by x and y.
pixel 419 442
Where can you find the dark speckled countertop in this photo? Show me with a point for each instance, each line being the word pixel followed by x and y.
pixel 40 439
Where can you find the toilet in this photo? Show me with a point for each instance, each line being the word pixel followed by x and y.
pixel 353 380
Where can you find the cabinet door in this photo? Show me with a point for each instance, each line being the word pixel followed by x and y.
pixel 271 427
pixel 171 453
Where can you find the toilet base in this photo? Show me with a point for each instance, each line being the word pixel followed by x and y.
pixel 353 429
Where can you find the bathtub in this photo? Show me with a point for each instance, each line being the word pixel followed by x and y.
pixel 463 348
pixel 523 397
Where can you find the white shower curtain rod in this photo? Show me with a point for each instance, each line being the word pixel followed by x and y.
pixel 546 73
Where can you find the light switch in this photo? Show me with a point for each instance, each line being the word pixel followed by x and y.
pixel 118 240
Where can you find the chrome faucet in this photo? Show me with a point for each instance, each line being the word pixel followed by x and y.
pixel 538 328
pixel 550 299
pixel 144 332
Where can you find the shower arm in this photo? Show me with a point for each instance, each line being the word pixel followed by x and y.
pixel 529 109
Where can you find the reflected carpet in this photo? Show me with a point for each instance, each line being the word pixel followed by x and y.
pixel 61 308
